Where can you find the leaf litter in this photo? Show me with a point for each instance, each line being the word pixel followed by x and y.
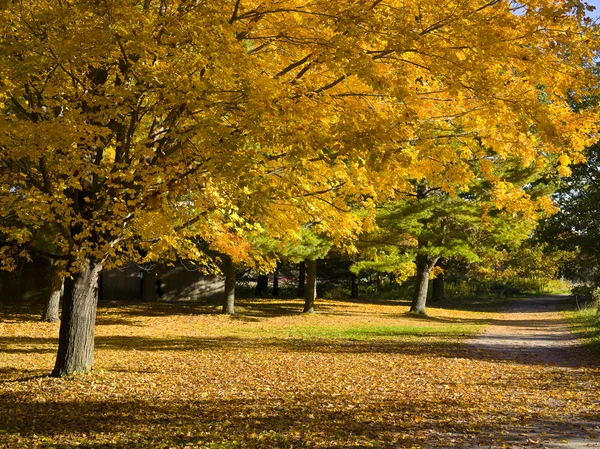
pixel 176 376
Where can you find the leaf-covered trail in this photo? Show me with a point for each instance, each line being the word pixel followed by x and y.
pixel 352 375
pixel 532 331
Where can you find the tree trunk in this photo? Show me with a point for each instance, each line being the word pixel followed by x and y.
pixel 229 296
pixel 101 286
pixel 301 279
pixel 354 287
pixel 76 336
pixel 437 290
pixel 56 290
pixel 150 292
pixel 424 266
pixel 262 285
pixel 310 293
pixel 276 281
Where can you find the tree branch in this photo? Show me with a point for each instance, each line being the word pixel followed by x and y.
pixel 294 65
pixel 235 11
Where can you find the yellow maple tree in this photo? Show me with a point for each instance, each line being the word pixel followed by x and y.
pixel 138 127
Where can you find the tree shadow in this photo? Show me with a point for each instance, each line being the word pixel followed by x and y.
pixel 21 314
pixel 158 308
pixel 8 371
pixel 429 344
pixel 384 341
pixel 270 309
pixel 531 323
pixel 27 345
pixel 103 320
pixel 254 307
pixel 310 420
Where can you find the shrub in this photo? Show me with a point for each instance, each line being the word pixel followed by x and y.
pixel 586 296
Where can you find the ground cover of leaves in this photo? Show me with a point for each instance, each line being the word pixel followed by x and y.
pixel 351 375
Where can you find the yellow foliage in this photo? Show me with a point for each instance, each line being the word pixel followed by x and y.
pixel 138 129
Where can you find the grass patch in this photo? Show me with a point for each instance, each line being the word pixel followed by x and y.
pixel 358 321
pixel 376 332
pixel 585 324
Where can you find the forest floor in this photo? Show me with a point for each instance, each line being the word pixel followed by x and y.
pixel 352 375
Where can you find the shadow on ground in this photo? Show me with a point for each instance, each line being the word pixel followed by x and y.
pixel 427 344
pixel 308 421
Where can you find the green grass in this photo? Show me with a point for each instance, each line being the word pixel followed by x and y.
pixel 585 324
pixel 375 332
pixel 364 321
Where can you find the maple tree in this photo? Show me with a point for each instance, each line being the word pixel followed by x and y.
pixel 136 127
pixel 55 291
pixel 229 294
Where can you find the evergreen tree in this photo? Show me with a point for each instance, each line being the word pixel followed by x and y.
pixel 576 226
pixel 431 223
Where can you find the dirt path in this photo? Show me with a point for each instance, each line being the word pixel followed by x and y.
pixel 531 331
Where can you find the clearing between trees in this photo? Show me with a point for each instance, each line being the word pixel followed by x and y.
pixel 352 375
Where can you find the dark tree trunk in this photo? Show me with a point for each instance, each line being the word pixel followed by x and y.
pixel 276 281
pixel 301 278
pixel 150 286
pixel 354 287
pixel 262 285
pixel 55 292
pixel 101 286
pixel 76 336
pixel 310 293
pixel 437 288
pixel 229 294
pixel 424 266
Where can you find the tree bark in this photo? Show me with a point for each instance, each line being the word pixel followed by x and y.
pixel 276 281
pixel 354 287
pixel 76 336
pixel 149 287
pixel 262 285
pixel 56 290
pixel 301 278
pixel 310 293
pixel 424 265
pixel 229 294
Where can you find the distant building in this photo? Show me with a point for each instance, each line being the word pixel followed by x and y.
pixel 178 283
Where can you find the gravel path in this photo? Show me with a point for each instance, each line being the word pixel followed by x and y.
pixel 532 331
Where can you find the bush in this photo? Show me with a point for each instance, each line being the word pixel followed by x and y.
pixel 459 289
pixel 469 288
pixel 586 296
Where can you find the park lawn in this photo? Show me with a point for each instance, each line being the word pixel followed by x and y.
pixel 351 375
